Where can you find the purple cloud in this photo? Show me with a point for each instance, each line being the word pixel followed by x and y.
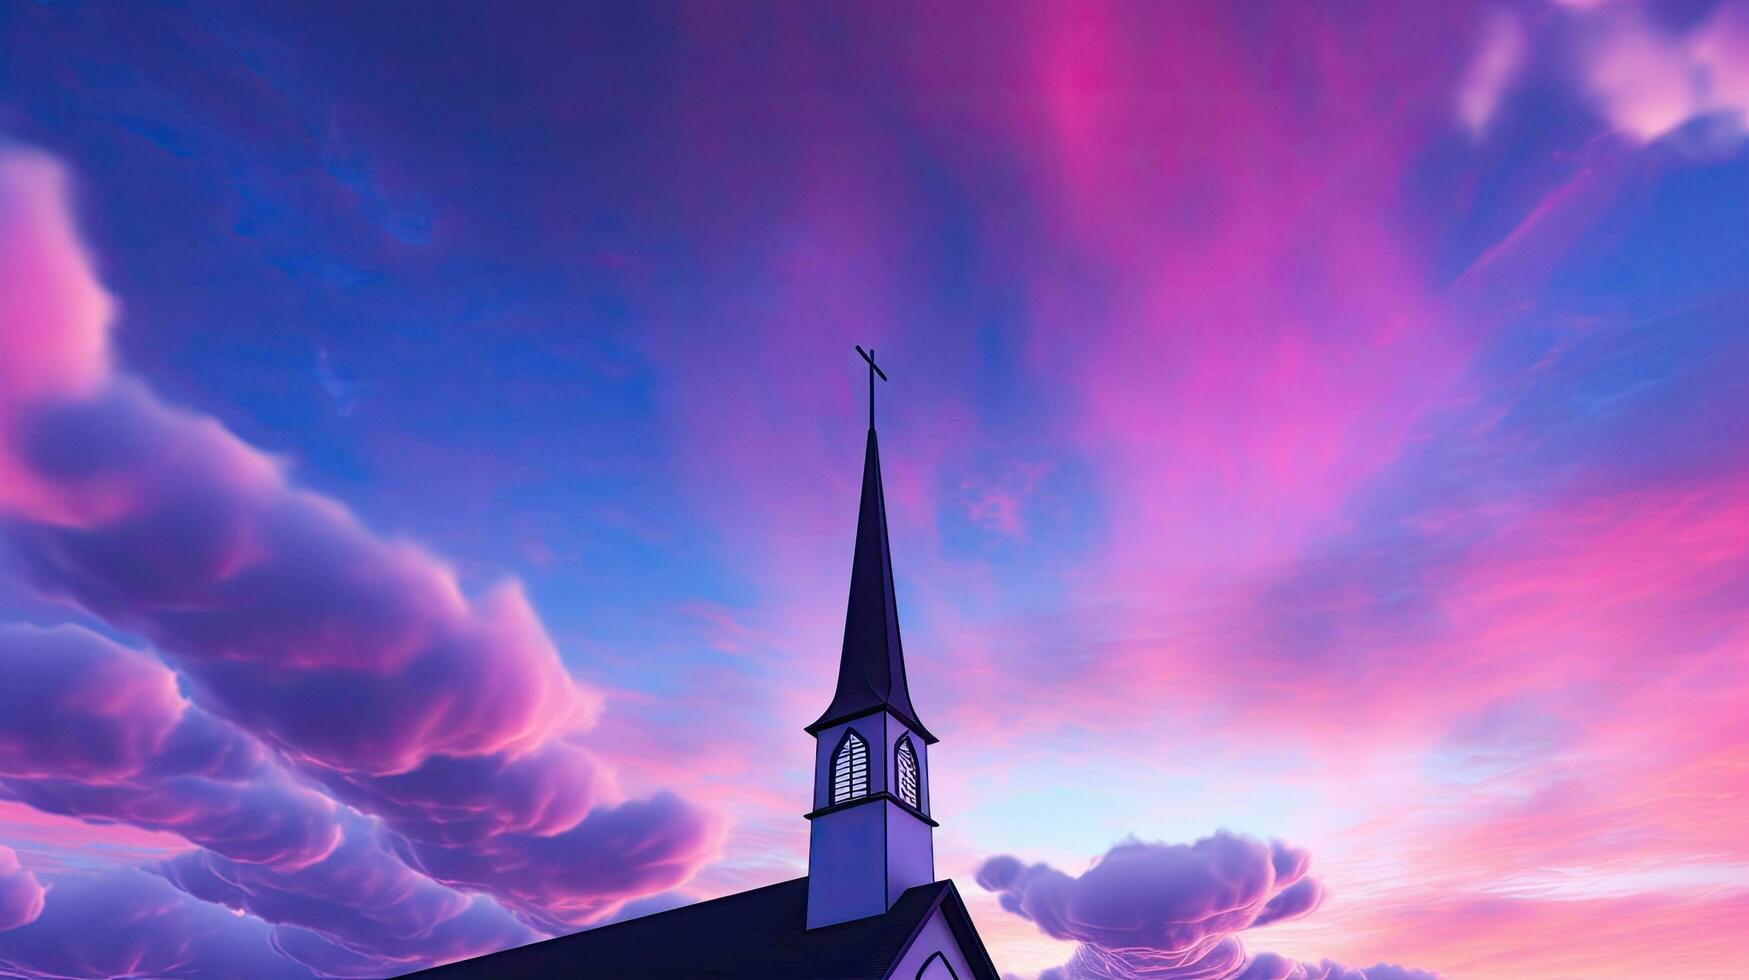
pixel 277 599
pixel 355 658
pixel 21 894
pixel 449 719
pixel 129 749
pixel 1171 911
pixel 79 706
pixel 1269 966
pixel 89 728
pixel 127 923
pixel 359 912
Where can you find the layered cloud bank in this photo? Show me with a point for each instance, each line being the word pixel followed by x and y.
pixel 1173 911
pixel 127 923
pixel 91 729
pixel 319 668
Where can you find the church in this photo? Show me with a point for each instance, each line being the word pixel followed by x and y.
pixel 870 906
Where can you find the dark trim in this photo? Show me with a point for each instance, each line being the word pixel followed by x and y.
pixel 870 798
pixel 965 932
pixel 825 723
pixel 904 742
pixel 832 766
pixel 917 930
pixel 959 921
pixel 911 723
pixel 945 964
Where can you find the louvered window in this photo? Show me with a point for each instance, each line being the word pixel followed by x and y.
pixel 850 769
pixel 907 767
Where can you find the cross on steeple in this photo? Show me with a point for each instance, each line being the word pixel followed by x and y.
pixel 870 838
pixel 873 369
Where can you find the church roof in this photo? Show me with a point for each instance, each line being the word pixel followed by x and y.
pixel 758 933
pixel 871 669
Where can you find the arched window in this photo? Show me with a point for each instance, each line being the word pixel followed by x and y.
pixel 907 767
pixel 850 768
pixel 936 967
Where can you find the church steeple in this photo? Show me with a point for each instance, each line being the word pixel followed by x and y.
pixel 871 836
pixel 871 667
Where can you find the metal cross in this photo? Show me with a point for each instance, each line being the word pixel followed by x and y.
pixel 873 369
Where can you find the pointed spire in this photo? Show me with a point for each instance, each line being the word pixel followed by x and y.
pixel 871 670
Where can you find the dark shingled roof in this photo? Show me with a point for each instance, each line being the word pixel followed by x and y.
pixel 758 933
pixel 871 670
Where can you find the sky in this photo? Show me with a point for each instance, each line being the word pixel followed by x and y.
pixel 1314 450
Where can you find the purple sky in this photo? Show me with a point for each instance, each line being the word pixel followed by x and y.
pixel 429 446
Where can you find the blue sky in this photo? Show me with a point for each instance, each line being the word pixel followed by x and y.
pixel 1314 426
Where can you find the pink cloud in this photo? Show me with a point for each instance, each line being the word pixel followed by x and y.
pixel 81 707
pixel 52 838
pixel 59 343
pixel 1493 70
pixel 1266 336
pixel 354 657
pixel 1643 80
pixel 21 894
pixel 126 749
pixel 1648 935
pixel 92 729
pixel 1647 80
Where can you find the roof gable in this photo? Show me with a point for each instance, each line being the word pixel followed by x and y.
pixel 958 922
